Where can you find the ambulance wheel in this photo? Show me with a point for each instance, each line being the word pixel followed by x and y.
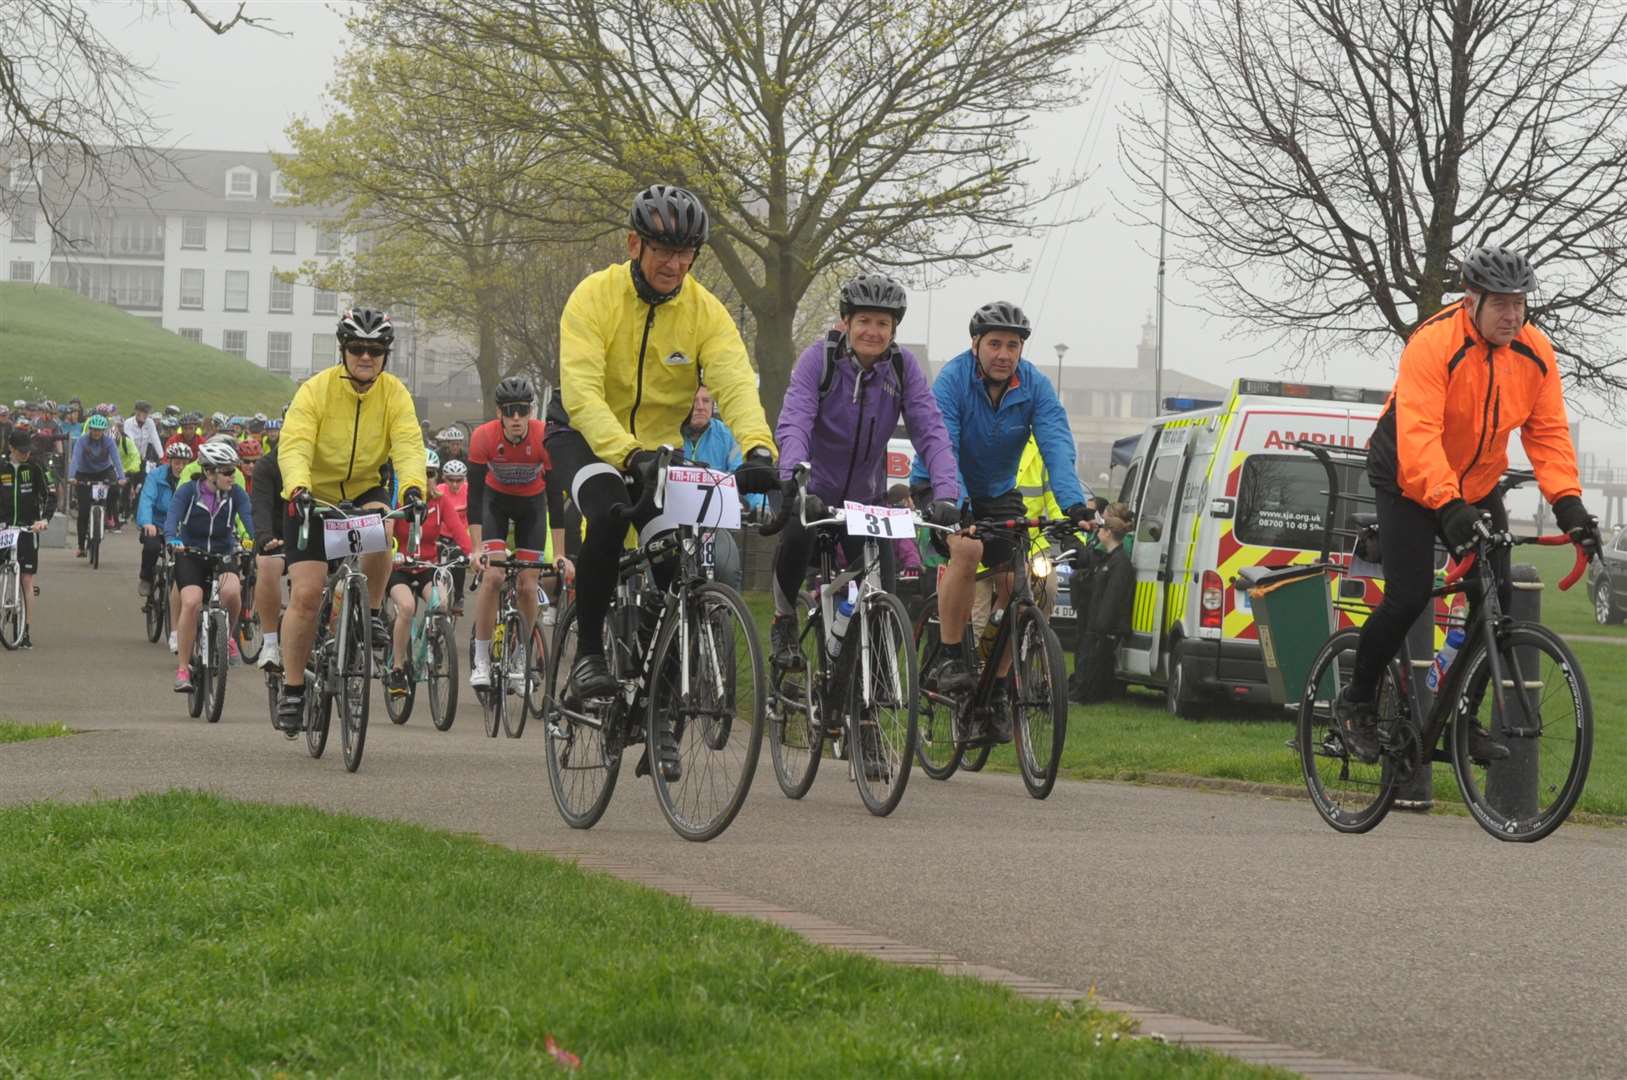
pixel 1178 697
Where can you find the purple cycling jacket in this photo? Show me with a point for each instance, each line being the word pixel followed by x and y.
pixel 844 435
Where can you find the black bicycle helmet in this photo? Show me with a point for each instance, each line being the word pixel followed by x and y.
pixel 1491 268
pixel 1001 315
pixel 20 438
pixel 874 292
pixel 663 214
pixel 365 324
pixel 515 390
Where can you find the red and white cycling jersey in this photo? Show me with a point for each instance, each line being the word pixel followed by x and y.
pixel 511 468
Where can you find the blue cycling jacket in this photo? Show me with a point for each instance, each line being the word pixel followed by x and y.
pixel 156 492
pixel 717 449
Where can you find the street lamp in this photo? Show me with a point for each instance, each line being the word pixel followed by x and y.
pixel 1061 350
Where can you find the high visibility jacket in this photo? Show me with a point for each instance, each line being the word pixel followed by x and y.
pixel 1457 399
pixel 1034 485
pixel 628 370
pixel 335 441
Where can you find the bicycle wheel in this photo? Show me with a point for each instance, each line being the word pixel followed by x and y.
pixel 491 698
pixel 1039 700
pixel 882 731
pixel 717 723
pixel 935 746
pixel 153 609
pixel 795 735
pixel 442 657
pixel 1547 725
pixel 355 672
pixel 198 664
pixel 1351 796
pixel 584 753
pixel 251 637
pixel 399 709
pixel 318 713
pixel 219 659
pixel 516 669
pixel 975 758
pixel 11 605
pixel 536 676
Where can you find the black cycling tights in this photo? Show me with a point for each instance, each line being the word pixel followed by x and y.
pixel 795 553
pixel 1406 537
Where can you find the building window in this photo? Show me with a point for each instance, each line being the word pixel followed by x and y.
pixel 279 186
pixel 282 295
pixel 192 333
pixel 241 183
pixel 235 342
pixel 21 270
pixel 327 240
pixel 282 235
pixel 194 232
pixel 192 288
pixel 324 350
pixel 279 348
pixel 237 290
pixel 138 235
pixel 237 233
pixel 22 224
pixel 326 303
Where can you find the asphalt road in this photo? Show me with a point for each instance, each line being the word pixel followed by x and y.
pixel 1425 946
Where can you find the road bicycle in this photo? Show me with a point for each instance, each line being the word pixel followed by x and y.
pixel 1032 693
pixel 690 667
pixel 858 688
pixel 209 660
pixel 518 670
pixel 155 609
pixel 432 655
pixel 13 606
pixel 97 528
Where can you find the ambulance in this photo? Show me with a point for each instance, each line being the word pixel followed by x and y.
pixel 1218 489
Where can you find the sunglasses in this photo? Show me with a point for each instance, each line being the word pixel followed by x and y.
pixel 514 410
pixel 221 470
pixel 374 351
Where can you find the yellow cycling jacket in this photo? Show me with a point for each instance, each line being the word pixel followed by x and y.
pixel 623 400
pixel 335 441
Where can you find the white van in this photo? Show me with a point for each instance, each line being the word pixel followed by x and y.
pixel 1218 489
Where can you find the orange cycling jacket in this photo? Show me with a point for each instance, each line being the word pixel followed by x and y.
pixel 1444 432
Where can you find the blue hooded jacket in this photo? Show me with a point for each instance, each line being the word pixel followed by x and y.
pixel 205 523
pixel 717 449
pixel 988 442
pixel 156 492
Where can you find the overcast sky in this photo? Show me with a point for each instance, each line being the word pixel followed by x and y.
pixel 1091 286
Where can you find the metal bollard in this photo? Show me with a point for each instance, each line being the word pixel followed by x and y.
pixel 1418 793
pixel 1511 784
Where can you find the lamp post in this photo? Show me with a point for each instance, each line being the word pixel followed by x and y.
pixel 1061 351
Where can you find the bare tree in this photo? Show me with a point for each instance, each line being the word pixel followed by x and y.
pixel 73 121
pixel 872 133
pixel 1330 160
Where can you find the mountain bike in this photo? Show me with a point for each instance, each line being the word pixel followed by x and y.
pixel 858 687
pixel 97 529
pixel 432 655
pixel 13 607
pixel 690 666
pixel 518 659
pixel 155 609
pixel 1032 692
pixel 209 660
pixel 251 634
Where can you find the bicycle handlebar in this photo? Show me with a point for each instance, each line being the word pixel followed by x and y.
pixel 350 509
pixel 1578 568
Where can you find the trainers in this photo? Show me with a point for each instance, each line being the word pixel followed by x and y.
pixel 1358 727
pixel 395 681
pixel 80 554
pixel 291 710
pixel 787 648
pixel 172 646
pixel 183 680
pixel 381 632
pixel 1000 714
pixel 144 589
pixel 233 657
pixel 27 641
pixel 876 768
pixel 1483 749
pixel 950 674
pixel 591 678
pixel 665 749
pixel 480 676
pixel 270 656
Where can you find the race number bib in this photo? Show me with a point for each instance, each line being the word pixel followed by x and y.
pixel 363 535
pixel 881 522
pixel 98 491
pixel 701 497
pixel 8 538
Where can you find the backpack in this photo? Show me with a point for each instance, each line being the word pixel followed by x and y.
pixel 833 342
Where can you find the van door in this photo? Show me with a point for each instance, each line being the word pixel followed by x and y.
pixel 1155 544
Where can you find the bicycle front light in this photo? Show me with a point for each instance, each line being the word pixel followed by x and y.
pixel 1040 565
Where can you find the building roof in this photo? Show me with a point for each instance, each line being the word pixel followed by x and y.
pixel 189 181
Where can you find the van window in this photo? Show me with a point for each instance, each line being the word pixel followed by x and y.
pixel 1127 493
pixel 1155 501
pixel 1281 501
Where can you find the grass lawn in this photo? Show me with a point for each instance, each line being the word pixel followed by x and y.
pixel 184 935
pixel 1567 612
pixel 14 732
pixel 56 344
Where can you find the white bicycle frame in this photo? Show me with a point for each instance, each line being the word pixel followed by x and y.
pixel 11 588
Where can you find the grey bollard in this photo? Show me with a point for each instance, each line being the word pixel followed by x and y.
pixel 1418 793
pixel 1512 784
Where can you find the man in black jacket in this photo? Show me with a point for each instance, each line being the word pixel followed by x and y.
pixel 27 501
pixel 267 508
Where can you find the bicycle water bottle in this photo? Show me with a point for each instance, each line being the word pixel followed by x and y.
pixel 991 630
pixel 1444 658
pixel 843 610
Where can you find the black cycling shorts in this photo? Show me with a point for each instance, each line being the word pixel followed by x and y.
pixel 317 553
pixel 527 513
pixel 192 569
pixel 26 551
pixel 412 579
pixel 997 550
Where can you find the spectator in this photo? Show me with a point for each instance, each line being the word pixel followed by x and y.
pixel 1104 620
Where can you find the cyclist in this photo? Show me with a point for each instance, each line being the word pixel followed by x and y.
pixel 456 489
pixel 846 395
pixel 200 517
pixel 95 460
pixel 1469 375
pixel 143 431
pixel 344 425
pixel 269 509
pixel 507 467
pixel 123 496
pixel 633 339
pixel 449 443
pixel 273 432
pixel 992 400
pixel 157 492
pixel 27 501
pixel 440 520
pixel 250 451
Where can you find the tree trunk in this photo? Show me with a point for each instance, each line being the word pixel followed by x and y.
pixel 776 353
pixel 488 359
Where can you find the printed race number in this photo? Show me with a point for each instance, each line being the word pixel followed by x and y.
pixel 881 522
pixel 8 538
pixel 344 537
pixel 701 497
pixel 98 492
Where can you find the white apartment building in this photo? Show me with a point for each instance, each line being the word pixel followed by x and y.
pixel 198 253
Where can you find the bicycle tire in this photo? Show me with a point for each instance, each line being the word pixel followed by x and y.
pixel 975 757
pixel 1493 805
pixel 153 609
pixel 714 735
pixel 399 710
pixel 881 764
pixel 355 675
pixel 200 672
pixel 251 637
pixel 935 746
pixel 583 761
pixel 1352 797
pixel 318 714
pixel 1039 697
pixel 536 676
pixel 442 674
pixel 12 612
pixel 512 714
pixel 795 735
pixel 491 696
pixel 219 662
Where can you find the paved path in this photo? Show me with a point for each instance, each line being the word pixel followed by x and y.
pixel 1424 946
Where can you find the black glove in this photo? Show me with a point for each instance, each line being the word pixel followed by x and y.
pixel 1458 520
pixel 1583 527
pixel 757 475
pixel 944 512
pixel 413 500
pixel 641 463
pixel 1079 513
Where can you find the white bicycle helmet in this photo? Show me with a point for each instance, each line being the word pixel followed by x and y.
pixel 432 460
pixel 216 454
pixel 455 470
